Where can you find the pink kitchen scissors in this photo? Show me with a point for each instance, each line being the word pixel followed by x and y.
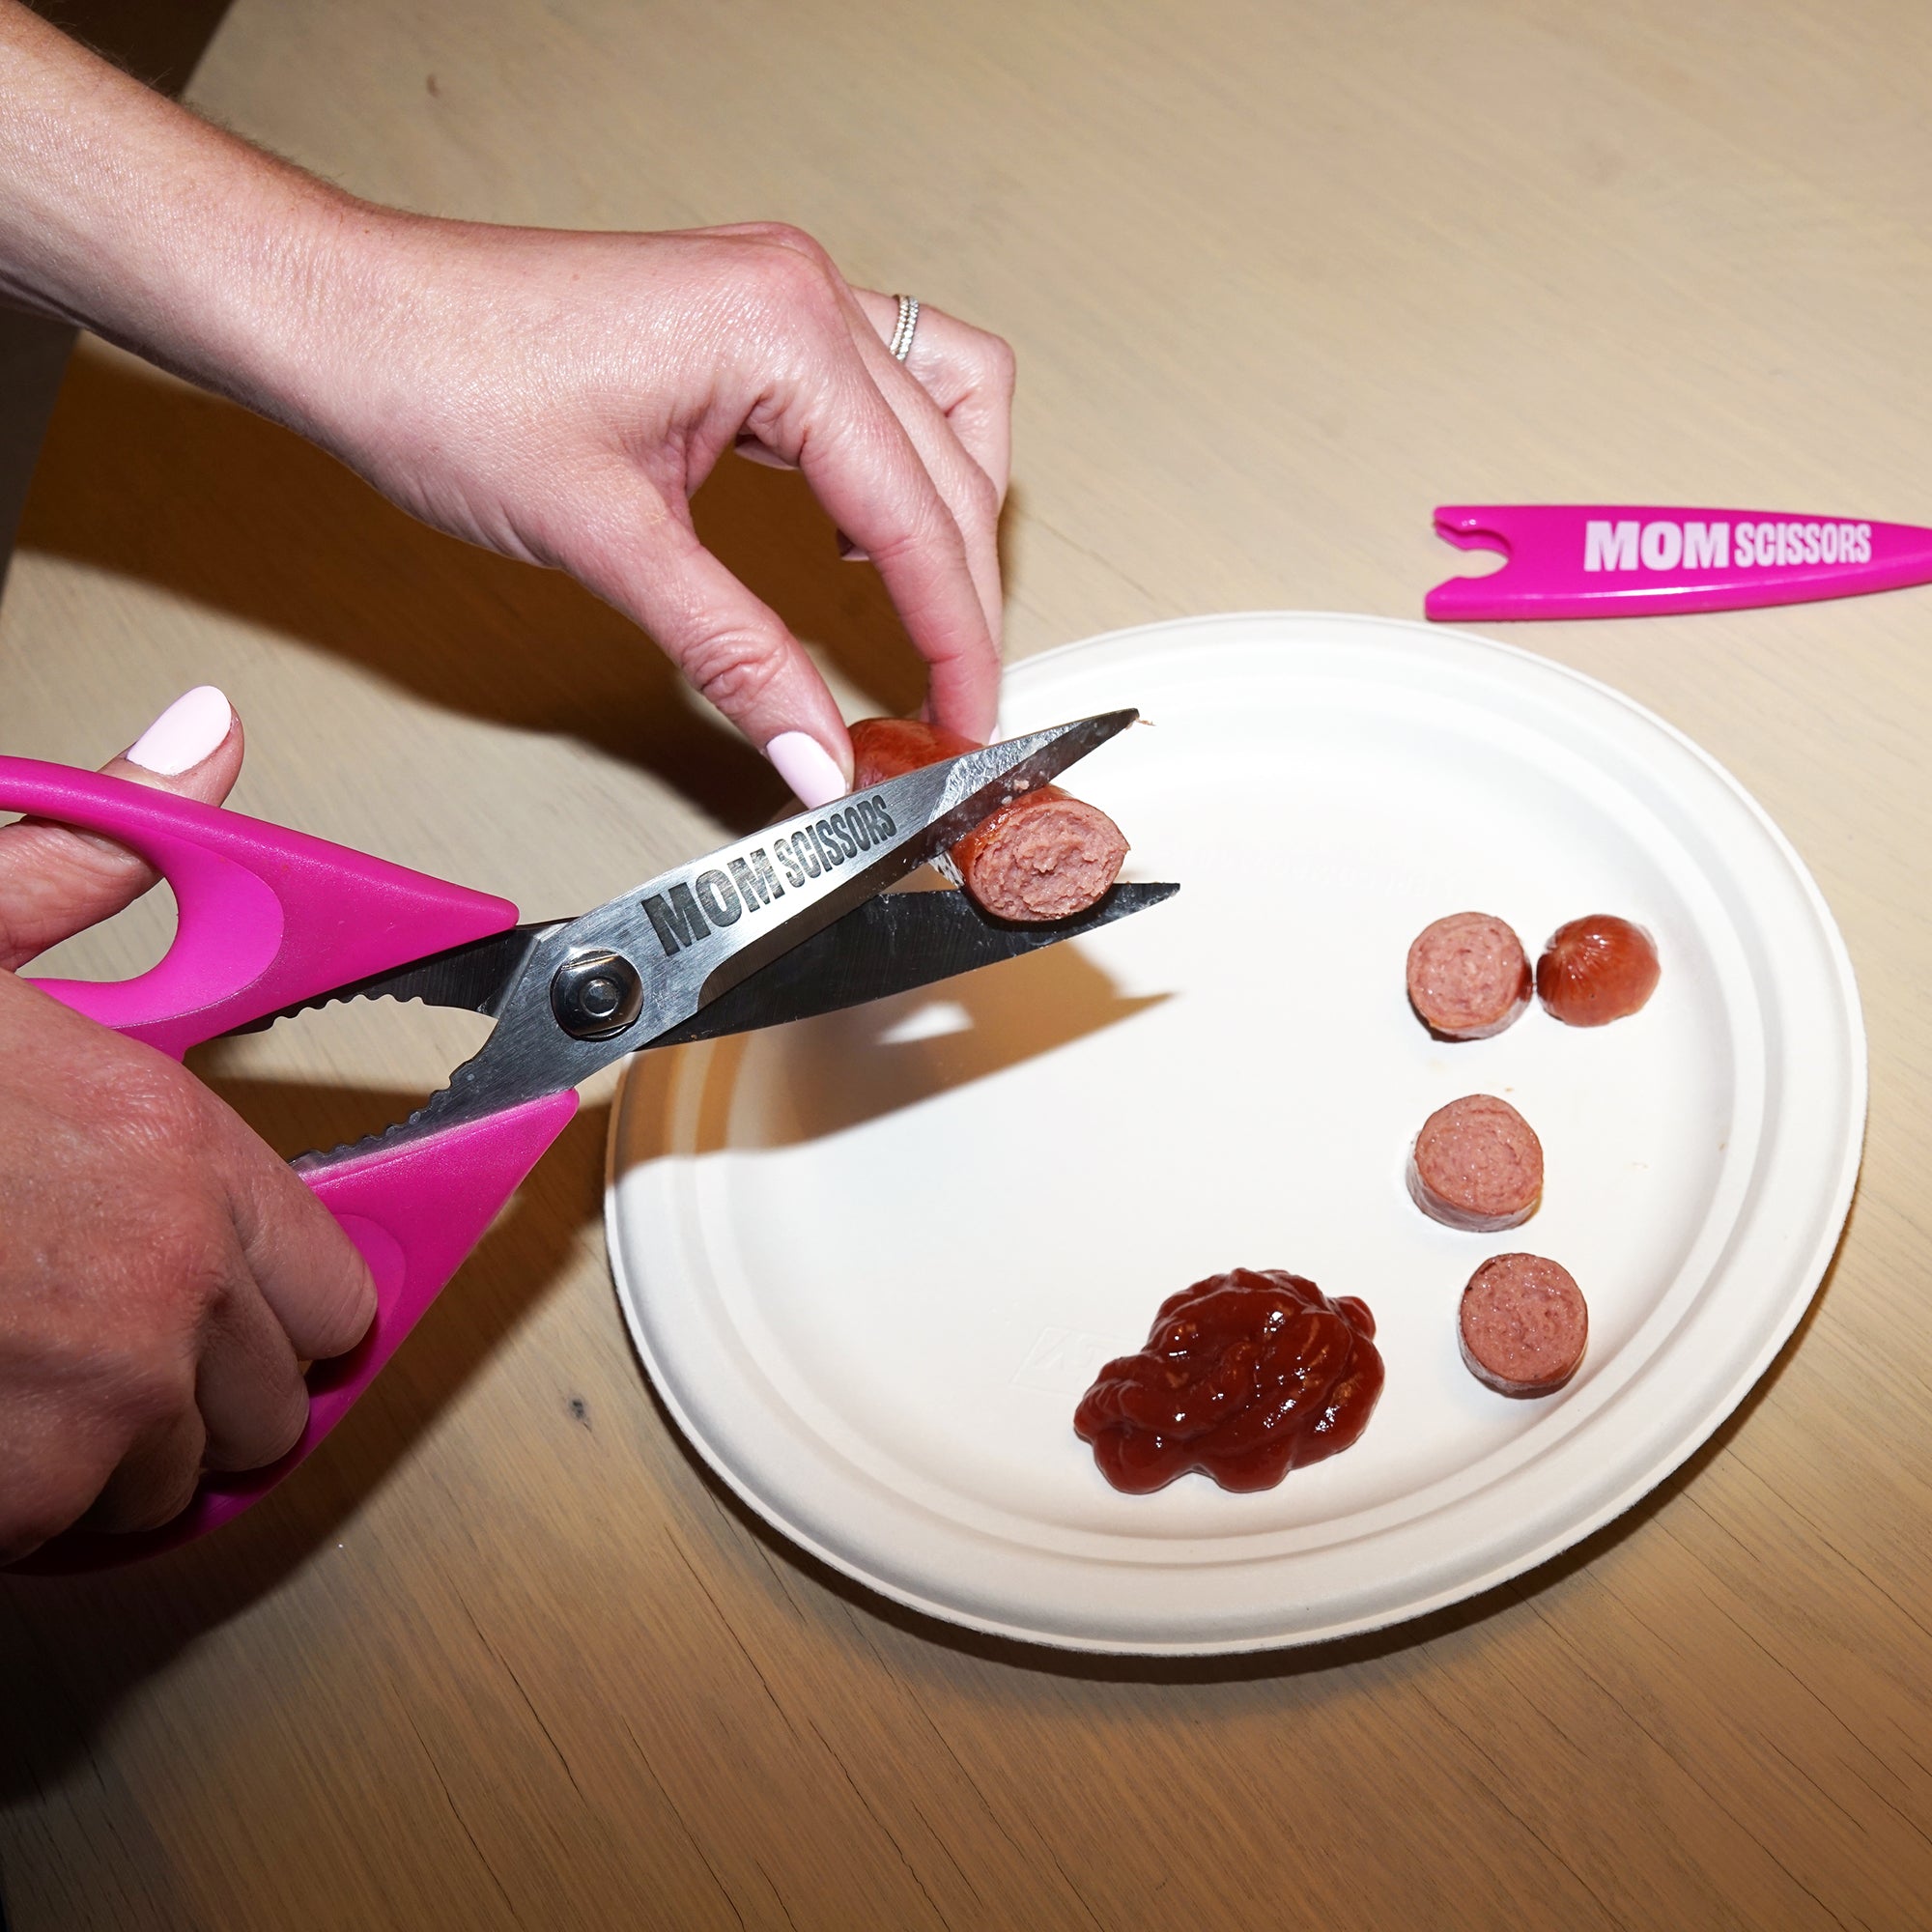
pixel 779 925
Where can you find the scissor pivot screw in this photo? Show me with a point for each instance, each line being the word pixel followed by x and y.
pixel 596 995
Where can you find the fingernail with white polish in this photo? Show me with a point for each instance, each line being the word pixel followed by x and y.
pixel 850 553
pixel 190 729
pixel 808 767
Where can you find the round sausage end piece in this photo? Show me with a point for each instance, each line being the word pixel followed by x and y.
pixel 1476 1165
pixel 1469 975
pixel 1597 969
pixel 1045 856
pixel 1523 1325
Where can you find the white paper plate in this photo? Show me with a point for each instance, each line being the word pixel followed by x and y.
pixel 871 1261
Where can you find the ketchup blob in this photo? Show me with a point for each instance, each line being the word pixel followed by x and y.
pixel 1245 1376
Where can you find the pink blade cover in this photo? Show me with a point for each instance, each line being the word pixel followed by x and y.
pixel 1618 560
pixel 269 918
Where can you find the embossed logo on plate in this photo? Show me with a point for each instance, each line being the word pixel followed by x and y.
pixel 1064 1361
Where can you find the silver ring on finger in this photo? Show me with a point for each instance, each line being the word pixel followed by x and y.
pixel 902 331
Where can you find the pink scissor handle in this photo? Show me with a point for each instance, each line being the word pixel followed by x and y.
pixel 414 1211
pixel 1621 560
pixel 267 918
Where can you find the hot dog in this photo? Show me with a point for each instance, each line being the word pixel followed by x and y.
pixel 1523 1325
pixel 1469 975
pixel 1477 1164
pixel 1045 856
pixel 1597 969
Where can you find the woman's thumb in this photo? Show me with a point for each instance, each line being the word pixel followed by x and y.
pixel 55 882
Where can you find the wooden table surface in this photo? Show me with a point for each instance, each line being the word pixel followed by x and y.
pixel 1280 278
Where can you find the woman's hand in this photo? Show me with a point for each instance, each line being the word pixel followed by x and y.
pixel 559 397
pixel 163 1274
pixel 554 396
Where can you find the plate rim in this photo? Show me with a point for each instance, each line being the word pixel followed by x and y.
pixel 1816 1264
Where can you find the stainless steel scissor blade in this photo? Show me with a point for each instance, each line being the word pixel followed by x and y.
pixel 894 943
pixel 573 996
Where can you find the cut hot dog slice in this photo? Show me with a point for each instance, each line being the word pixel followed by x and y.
pixel 1477 1164
pixel 1047 855
pixel 1523 1325
pixel 1469 975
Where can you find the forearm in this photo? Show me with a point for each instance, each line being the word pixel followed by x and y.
pixel 554 396
pixel 128 214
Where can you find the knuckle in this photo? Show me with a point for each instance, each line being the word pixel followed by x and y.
pixel 273 1428
pixel 359 1302
pixel 188 1256
pixel 140 1376
pixel 277 1443
pixel 151 1388
pixel 338 1315
pixel 1001 365
pixel 37 1509
pixel 789 236
pixel 122 1515
pixel 159 1106
pixel 167 1504
pixel 800 279
pixel 983 498
pixel 927 529
pixel 17 949
pixel 731 669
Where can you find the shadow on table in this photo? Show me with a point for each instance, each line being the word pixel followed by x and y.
pixel 72 1647
pixel 1411 1636
pixel 843 1069
pixel 156 481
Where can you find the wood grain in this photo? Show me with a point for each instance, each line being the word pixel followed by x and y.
pixel 1280 278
